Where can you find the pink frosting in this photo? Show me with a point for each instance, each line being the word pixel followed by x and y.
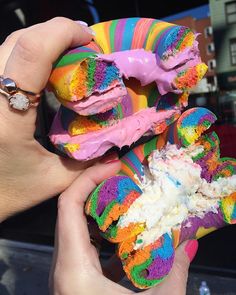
pixel 147 67
pixel 143 65
pixel 123 133
pixel 189 55
pixel 99 102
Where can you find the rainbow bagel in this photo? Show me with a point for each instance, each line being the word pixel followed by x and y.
pixel 170 189
pixel 133 79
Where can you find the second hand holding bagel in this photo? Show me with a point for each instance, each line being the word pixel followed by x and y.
pixel 76 268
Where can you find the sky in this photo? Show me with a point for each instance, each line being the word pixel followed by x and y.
pixel 198 13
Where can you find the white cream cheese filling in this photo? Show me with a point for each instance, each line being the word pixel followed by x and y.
pixel 173 190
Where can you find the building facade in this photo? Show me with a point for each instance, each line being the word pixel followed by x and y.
pixel 223 19
pixel 199 21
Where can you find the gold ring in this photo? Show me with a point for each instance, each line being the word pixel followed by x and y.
pixel 19 99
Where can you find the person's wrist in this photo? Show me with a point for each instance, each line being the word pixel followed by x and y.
pixel 12 188
pixel 6 208
pixel 16 192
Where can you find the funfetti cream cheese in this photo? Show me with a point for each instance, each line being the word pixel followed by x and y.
pixel 173 190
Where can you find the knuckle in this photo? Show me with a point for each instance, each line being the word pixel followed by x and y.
pixel 13 36
pixel 65 26
pixel 65 200
pixel 62 201
pixel 63 22
pixel 28 48
pixel 2 47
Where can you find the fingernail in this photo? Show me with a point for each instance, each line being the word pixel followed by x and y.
pixel 191 249
pixel 86 27
pixel 111 158
pixel 89 30
pixel 80 22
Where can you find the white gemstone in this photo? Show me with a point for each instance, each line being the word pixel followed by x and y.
pixel 19 102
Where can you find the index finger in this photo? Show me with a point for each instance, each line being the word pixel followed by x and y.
pixel 31 59
pixel 9 43
pixel 73 236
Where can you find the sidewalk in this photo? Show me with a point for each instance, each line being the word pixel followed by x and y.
pixel 24 270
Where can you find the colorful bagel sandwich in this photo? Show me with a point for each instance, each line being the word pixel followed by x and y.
pixel 132 80
pixel 170 189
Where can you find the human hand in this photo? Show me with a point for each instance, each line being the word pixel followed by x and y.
pixel 29 173
pixel 76 268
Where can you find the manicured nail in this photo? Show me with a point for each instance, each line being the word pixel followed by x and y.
pixel 86 27
pixel 89 30
pixel 80 22
pixel 191 249
pixel 111 158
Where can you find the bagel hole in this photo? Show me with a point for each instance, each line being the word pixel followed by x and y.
pixel 144 273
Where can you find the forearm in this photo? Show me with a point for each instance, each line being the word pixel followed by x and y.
pixel 10 203
pixel 16 196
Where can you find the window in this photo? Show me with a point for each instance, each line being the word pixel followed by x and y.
pixel 230 12
pixel 232 47
pixel 208 31
pixel 211 64
pixel 210 48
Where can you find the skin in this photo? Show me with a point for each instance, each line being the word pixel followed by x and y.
pixel 27 56
pixel 76 268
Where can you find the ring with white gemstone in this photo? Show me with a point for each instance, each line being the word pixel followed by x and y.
pixel 18 98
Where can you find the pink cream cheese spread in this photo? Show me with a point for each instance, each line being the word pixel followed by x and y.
pixel 146 67
pixel 123 133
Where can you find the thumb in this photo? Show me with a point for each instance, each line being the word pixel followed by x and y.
pixel 177 278
pixel 72 226
pixel 72 241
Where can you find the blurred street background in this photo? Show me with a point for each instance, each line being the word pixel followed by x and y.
pixel 24 270
pixel 26 240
